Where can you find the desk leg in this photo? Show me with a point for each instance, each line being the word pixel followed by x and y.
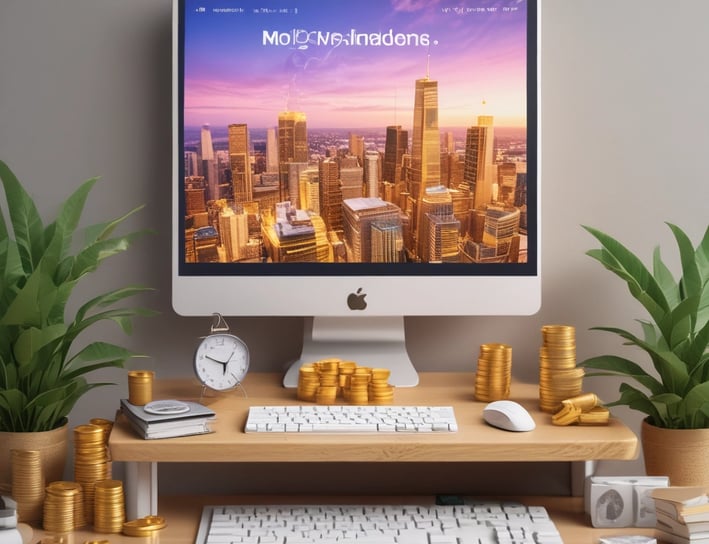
pixel 580 470
pixel 141 489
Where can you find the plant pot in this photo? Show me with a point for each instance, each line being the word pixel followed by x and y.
pixel 51 444
pixel 680 454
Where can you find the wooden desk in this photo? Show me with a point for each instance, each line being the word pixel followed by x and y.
pixel 475 441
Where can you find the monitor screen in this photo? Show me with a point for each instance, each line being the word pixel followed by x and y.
pixel 370 159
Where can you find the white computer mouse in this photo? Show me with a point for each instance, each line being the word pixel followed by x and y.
pixel 508 415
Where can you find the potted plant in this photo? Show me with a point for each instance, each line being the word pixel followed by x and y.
pixel 675 396
pixel 43 372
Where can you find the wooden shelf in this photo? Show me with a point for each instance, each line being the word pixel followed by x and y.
pixel 475 441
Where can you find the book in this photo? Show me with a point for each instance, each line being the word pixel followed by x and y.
pixel 684 503
pixel 670 524
pixel 151 426
pixel 671 538
pixel 187 430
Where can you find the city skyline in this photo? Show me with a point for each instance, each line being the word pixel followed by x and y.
pixel 276 64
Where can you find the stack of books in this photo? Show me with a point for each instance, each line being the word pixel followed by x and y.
pixel 196 420
pixel 682 514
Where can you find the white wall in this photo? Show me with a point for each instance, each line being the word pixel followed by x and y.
pixel 85 90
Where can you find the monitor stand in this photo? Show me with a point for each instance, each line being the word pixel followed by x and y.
pixel 378 342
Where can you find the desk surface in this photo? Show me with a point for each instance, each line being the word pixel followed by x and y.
pixel 474 441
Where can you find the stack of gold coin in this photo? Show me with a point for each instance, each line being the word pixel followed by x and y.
pixel 90 461
pixel 106 426
pixel 559 377
pixel 308 382
pixel 357 391
pixel 325 380
pixel 63 507
pixel 326 394
pixel 380 391
pixel 494 372
pixel 140 386
pixel 27 484
pixel 329 381
pixel 146 526
pixel 109 506
pixel 346 369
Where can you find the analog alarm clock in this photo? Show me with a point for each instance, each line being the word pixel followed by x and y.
pixel 221 360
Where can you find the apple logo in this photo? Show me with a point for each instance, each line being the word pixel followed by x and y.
pixel 355 301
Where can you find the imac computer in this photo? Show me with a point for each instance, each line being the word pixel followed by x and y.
pixel 354 163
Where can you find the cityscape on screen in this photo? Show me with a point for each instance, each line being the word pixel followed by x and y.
pixel 389 146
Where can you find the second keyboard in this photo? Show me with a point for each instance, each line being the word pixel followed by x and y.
pixel 350 419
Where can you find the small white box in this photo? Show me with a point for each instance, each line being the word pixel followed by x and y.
pixel 622 501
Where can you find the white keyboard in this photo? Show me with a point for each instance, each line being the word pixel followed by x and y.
pixel 479 523
pixel 319 418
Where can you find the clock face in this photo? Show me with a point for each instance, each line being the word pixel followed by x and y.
pixel 221 361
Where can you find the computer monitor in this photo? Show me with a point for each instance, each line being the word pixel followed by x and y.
pixel 355 163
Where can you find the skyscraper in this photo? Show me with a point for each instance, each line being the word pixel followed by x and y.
pixel 478 172
pixel 359 216
pixel 372 162
pixel 209 162
pixel 240 163
pixel 426 143
pixel 271 150
pixel 234 231
pixel 292 145
pixel 330 193
pixel 395 147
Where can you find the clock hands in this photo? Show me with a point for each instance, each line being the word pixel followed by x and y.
pixel 223 363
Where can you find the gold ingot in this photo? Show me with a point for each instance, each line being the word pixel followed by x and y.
pixel 598 415
pixel 584 402
pixel 567 415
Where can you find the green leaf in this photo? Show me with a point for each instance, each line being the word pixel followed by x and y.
pixel 702 256
pixel 11 273
pixel 90 257
pixel 697 350
pixel 26 221
pixel 650 334
pixel 695 404
pixel 621 261
pixel 619 366
pixel 30 341
pixel 12 405
pixel 101 231
pixel 95 356
pixel 664 279
pixel 121 316
pixel 680 321
pixel 691 282
pixel 673 372
pixel 70 214
pixel 637 400
pixel 33 302
pixel 107 299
